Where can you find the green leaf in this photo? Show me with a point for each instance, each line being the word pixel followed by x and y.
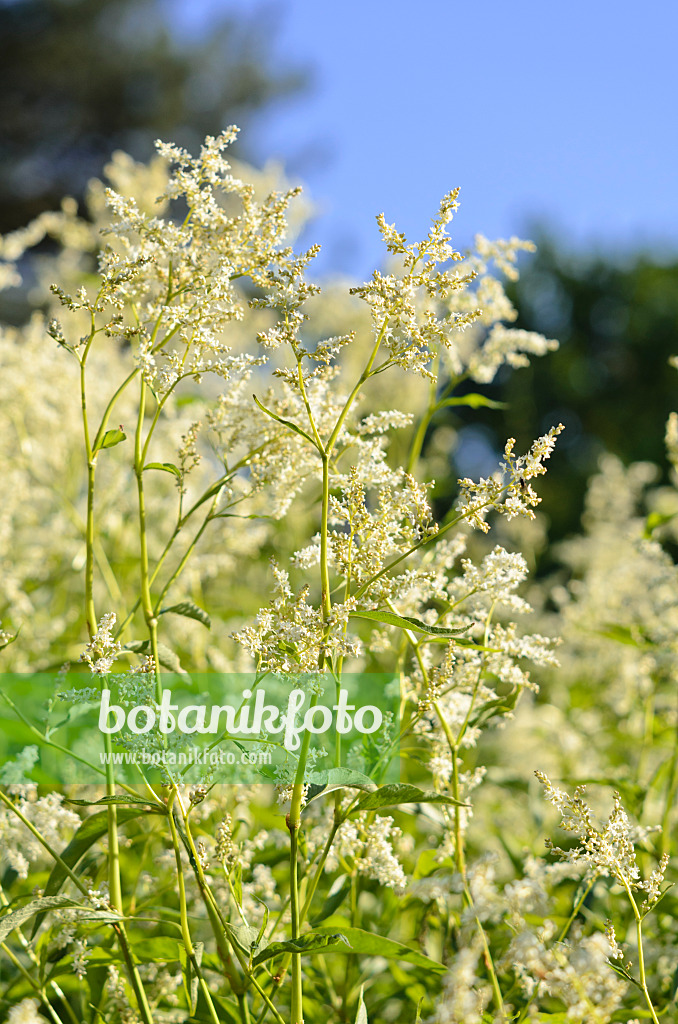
pixel 361 1015
pixel 655 520
pixel 91 830
pixel 237 884
pixel 127 798
pixel 337 777
pixel 159 950
pixel 407 622
pixel 166 657
pixel 332 903
pixel 309 943
pixel 189 611
pixel 473 401
pixel 497 707
pixel 191 979
pixel 166 467
pixel 284 422
pixel 369 944
pixel 264 923
pixel 228 1006
pixel 41 906
pixel 622 634
pixel 623 973
pixel 400 793
pixel 110 439
pixel 244 937
pixel 656 903
pixel 330 779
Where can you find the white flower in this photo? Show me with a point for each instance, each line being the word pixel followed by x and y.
pixel 25 1012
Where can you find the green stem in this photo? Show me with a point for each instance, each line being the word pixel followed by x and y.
pixel 422 427
pixel 183 910
pixel 303 913
pixel 31 981
pixel 639 939
pixel 118 926
pixel 297 988
pixel 114 882
pixel 670 802
pixel 214 915
pixel 187 554
pixel 352 397
pixel 460 861
pixel 134 976
pixel 324 560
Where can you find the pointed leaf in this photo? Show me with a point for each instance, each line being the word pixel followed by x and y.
pixel 361 1015
pixel 400 793
pixel 309 943
pixel 473 401
pixel 237 884
pixel 622 634
pixel 91 830
pixel 41 906
pixel 284 422
pixel 341 777
pixel 369 944
pixel 332 903
pixel 167 467
pixel 110 439
pixel 189 611
pixel 407 622
pixel 126 798
pixel 264 923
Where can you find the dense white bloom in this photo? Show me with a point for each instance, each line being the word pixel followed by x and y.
pixel 25 1012
pixel 19 847
pixel 102 650
pixel 465 996
pixel 508 491
pixel 609 850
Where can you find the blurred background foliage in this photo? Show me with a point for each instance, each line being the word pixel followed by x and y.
pixel 609 383
pixel 81 78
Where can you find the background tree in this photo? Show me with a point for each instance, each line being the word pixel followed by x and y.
pixel 81 78
pixel 608 382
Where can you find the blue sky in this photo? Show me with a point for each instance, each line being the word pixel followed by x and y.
pixel 558 113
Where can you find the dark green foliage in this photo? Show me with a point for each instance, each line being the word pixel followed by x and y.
pixel 80 78
pixel 609 382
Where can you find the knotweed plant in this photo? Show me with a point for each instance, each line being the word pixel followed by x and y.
pixel 214 461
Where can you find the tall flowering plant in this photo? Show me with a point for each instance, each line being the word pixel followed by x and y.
pixel 218 419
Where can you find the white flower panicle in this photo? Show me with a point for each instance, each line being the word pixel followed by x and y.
pixel 509 491
pixel 102 650
pixel 25 1012
pixel 609 850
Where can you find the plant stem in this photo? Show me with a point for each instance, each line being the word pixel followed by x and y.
pixel 34 985
pixel 118 926
pixel 461 861
pixel 297 988
pixel 114 882
pixel 422 426
pixel 183 910
pixel 641 955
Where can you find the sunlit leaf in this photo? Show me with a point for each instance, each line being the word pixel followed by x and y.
pixel 190 611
